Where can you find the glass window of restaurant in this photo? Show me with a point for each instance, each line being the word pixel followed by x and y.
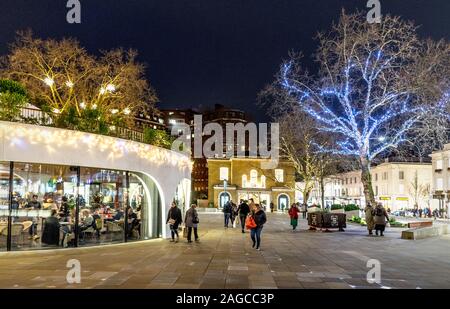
pixel 4 204
pixel 112 206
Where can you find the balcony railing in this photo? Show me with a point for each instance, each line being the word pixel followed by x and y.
pixel 36 116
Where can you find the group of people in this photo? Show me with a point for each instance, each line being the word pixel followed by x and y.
pixel 191 221
pixel 231 211
pixel 251 216
pixel 376 218
pixel 89 220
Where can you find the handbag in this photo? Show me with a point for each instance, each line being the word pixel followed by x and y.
pixel 184 232
pixel 195 220
pixel 171 221
pixel 250 223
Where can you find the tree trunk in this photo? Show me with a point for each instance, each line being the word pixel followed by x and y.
pixel 322 191
pixel 366 179
pixel 306 196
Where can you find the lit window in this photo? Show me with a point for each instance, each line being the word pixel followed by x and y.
pixel 279 175
pixel 253 178
pixel 439 184
pixel 244 181
pixel 161 120
pixel 170 113
pixel 224 173
pixel 172 121
pixel 439 164
pixel 263 181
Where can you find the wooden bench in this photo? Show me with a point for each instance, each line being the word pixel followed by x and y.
pixel 413 225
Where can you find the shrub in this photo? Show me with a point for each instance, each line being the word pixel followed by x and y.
pixel 158 138
pixel 351 207
pixel 13 98
pixel 336 206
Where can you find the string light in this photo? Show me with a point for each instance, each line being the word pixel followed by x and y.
pixel 114 111
pixel 110 88
pixel 48 81
pixel 102 90
pixel 360 127
pixel 127 111
pixel 69 84
pixel 68 140
pixel 83 105
pixel 94 106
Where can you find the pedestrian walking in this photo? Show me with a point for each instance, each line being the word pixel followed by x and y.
pixel 293 214
pixel 368 211
pixel 233 214
pixel 272 206
pixel 227 211
pixel 191 221
pixel 243 211
pixel 380 218
pixel 174 219
pixel 259 216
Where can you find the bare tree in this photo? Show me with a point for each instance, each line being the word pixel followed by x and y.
pixel 371 88
pixel 62 77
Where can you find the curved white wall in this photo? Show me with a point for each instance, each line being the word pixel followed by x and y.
pixel 37 144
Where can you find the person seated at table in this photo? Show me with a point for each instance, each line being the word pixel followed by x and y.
pixel 119 215
pixel 96 216
pixel 64 210
pixel 87 221
pixel 33 204
pixel 132 222
pixel 50 234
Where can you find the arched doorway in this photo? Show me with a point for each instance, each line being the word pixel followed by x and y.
pixel 224 197
pixel 283 202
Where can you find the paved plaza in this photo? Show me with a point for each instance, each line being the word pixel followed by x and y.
pixel 224 258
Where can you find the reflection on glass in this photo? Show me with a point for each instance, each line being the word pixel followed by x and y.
pixel 4 204
pixel 45 199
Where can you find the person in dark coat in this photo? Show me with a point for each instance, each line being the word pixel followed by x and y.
pixel 50 234
pixel 191 221
pixel 380 218
pixel 227 211
pixel 243 211
pixel 174 219
pixel 260 219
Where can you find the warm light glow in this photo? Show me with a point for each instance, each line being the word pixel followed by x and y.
pixel 94 106
pixel 48 81
pixel 114 111
pixel 127 111
pixel 56 111
pixel 59 139
pixel 69 84
pixel 83 105
pixel 102 90
pixel 110 88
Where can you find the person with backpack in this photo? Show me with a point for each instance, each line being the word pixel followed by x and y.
pixel 227 211
pixel 174 219
pixel 293 214
pixel 380 218
pixel 243 211
pixel 191 221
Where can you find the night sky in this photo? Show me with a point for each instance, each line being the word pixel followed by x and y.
pixel 202 52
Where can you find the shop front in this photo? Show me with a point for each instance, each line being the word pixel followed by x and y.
pixel 60 188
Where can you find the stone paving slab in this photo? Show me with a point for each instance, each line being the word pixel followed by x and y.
pixel 224 258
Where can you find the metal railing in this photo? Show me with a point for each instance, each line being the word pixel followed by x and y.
pixel 36 116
